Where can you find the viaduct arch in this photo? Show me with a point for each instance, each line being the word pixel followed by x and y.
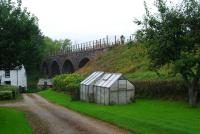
pixel 68 62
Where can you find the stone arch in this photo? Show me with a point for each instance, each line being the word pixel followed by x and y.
pixel 45 69
pixel 67 67
pixel 55 68
pixel 83 62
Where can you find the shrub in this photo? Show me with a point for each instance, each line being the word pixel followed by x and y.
pixel 176 90
pixel 7 89
pixel 67 82
pixel 6 95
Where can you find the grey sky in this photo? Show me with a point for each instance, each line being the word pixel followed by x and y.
pixel 85 20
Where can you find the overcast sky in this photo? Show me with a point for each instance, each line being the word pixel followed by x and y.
pixel 85 20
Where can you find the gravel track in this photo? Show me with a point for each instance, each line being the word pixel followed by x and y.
pixel 48 118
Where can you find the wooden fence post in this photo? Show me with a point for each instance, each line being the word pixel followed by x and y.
pixel 107 40
pixel 115 39
pixel 100 43
pixel 93 44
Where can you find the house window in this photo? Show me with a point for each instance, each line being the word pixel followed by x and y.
pixel 7 73
pixel 8 82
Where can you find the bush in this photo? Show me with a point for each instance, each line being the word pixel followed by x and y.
pixel 67 82
pixel 6 90
pixel 176 90
pixel 6 95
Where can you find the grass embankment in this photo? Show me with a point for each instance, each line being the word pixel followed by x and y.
pixel 132 61
pixel 143 117
pixel 13 122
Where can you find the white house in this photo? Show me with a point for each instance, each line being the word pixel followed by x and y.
pixel 15 77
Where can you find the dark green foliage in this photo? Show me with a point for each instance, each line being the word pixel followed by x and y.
pixel 20 37
pixel 6 95
pixel 33 90
pixel 173 90
pixel 172 37
pixel 8 92
pixel 75 94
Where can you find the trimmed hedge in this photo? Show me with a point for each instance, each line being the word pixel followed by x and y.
pixel 175 90
pixel 8 92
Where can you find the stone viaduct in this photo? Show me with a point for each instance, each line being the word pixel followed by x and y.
pixel 76 56
pixel 70 60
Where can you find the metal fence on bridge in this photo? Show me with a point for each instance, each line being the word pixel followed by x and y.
pixel 93 45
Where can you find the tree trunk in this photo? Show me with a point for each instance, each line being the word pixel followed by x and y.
pixel 193 92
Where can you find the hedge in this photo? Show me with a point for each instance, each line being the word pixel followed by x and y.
pixel 175 90
pixel 8 92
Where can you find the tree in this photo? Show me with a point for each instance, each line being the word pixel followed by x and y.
pixel 51 46
pixel 20 37
pixel 66 43
pixel 172 37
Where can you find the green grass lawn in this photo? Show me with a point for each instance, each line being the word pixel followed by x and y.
pixel 13 122
pixel 142 117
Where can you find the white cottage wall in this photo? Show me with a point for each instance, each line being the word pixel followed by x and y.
pixel 17 77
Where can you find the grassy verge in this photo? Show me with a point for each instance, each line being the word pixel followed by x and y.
pixel 13 122
pixel 142 117
pixel 133 62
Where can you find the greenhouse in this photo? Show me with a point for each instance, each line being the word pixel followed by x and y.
pixel 86 88
pixel 107 88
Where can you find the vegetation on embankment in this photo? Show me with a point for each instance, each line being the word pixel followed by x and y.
pixel 143 117
pixel 131 60
pixel 13 122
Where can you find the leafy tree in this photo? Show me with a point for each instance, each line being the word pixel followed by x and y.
pixel 20 37
pixel 173 37
pixel 50 46
pixel 65 44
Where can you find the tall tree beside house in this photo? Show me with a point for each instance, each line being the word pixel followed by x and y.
pixel 173 37
pixel 20 37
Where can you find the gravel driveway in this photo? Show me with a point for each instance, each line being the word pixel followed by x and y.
pixel 48 118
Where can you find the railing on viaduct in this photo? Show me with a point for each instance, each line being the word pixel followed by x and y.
pixel 93 45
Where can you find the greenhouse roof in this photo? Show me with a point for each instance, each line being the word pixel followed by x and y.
pixel 92 78
pixel 108 79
